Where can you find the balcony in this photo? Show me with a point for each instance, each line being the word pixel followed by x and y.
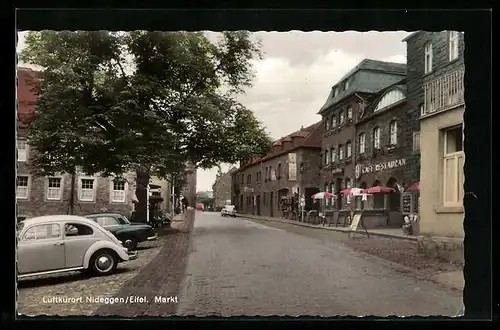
pixel 443 93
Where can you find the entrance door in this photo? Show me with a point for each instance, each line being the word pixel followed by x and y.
pixel 258 204
pixel 271 202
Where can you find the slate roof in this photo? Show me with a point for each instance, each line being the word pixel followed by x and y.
pixel 309 137
pixel 365 85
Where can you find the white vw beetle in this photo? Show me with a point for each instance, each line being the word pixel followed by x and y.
pixel 62 243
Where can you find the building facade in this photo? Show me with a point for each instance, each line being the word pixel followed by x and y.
pixel 222 188
pixel 289 170
pixel 436 83
pixel 349 103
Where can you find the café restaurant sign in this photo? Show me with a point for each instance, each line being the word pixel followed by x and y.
pixel 360 170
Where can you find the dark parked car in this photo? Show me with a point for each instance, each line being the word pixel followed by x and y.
pixel 123 229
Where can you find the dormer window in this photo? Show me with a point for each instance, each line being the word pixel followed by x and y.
pixel 336 92
pixel 327 123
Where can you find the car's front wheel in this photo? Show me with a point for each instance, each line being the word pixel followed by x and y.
pixel 103 262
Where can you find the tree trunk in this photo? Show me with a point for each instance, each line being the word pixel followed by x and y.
pixel 71 207
pixel 142 181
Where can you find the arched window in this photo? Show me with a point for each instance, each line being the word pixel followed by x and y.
pixel 362 141
pixel 391 97
pixel 376 138
pixel 393 132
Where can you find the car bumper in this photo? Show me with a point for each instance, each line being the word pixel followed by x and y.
pixel 152 238
pixel 132 255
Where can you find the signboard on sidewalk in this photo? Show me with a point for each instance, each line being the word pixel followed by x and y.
pixel 355 222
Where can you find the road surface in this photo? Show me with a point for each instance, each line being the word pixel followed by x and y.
pixel 238 267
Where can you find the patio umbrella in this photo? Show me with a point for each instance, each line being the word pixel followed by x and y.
pixel 414 187
pixel 378 189
pixel 352 191
pixel 323 195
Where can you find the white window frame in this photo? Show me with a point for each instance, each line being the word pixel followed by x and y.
pixel 112 191
pixel 362 141
pixel 349 112
pixel 61 188
pixel 333 155
pixel 416 141
pixel 453 45
pixel 428 58
pixel 80 188
pixel 455 156
pixel 327 123
pixel 28 187
pixel 341 152
pixel 376 138
pixel 342 117
pixel 348 148
pixel 327 157
pixel 334 121
pixel 393 132
pixel 20 152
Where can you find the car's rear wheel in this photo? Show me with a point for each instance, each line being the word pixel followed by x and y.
pixel 104 262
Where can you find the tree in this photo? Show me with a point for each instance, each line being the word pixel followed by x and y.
pixel 110 102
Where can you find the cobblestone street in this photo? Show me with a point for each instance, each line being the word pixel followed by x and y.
pixel 239 267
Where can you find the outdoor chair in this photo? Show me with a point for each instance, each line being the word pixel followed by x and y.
pixel 328 218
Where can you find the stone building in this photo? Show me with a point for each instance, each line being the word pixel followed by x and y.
pixel 436 97
pixel 381 155
pixel 222 187
pixel 290 168
pixel 61 193
pixel 347 103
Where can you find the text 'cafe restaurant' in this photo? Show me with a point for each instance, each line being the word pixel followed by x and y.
pixel 387 206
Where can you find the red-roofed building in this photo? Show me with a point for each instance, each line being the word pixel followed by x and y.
pixel 291 167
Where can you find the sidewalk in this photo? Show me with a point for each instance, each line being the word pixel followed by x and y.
pixel 384 232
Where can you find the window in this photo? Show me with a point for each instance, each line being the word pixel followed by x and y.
pixel 242 178
pixel 87 190
pixel 265 199
pixel 279 171
pixel 336 92
pixel 43 232
pixel 362 140
pixel 422 110
pixel 391 97
pixel 23 184
pixel 54 188
pixel 349 112
pixel 327 157
pixel 341 152
pixel 393 133
pixel 342 117
pixel 327 123
pixel 326 190
pixel 416 141
pixel 453 44
pixel 249 178
pixel 333 155
pixel 257 177
pixel 334 122
pixel 77 229
pixel 348 149
pixel 332 190
pixel 270 173
pixel 346 84
pixel 118 191
pixel 376 138
pixel 106 221
pixel 428 58
pixel 22 150
pixel 453 163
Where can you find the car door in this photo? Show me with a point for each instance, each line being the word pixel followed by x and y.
pixel 41 248
pixel 78 238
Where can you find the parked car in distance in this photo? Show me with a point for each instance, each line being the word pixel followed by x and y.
pixel 62 243
pixel 200 207
pixel 120 226
pixel 228 210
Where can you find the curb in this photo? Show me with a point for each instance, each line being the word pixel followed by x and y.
pixel 409 238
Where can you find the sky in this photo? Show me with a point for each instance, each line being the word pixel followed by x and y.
pixel 295 76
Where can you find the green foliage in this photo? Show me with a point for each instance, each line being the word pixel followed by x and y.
pixel 113 101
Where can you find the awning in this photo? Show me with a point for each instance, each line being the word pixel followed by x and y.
pixel 414 187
